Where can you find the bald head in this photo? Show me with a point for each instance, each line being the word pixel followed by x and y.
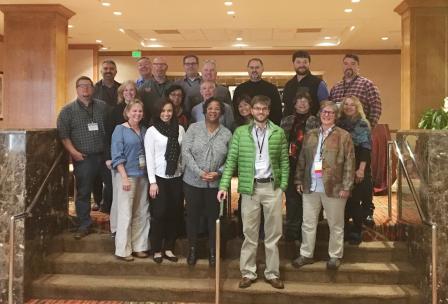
pixel 209 72
pixel 159 68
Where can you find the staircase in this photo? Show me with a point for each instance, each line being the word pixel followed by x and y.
pixel 374 272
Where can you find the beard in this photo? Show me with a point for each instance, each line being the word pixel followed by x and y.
pixel 302 71
pixel 349 73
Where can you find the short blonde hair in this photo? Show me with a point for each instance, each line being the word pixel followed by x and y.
pixel 129 107
pixel 329 103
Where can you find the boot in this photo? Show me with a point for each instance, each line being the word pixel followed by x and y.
pixel 191 259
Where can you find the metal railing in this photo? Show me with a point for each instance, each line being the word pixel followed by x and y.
pixel 393 145
pixel 12 226
pixel 218 261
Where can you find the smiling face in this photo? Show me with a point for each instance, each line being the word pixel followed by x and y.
pixel 244 109
pixel 213 112
pixel 108 71
pixel 144 68
pixel 129 93
pixel 260 112
pixel 176 97
pixel 207 90
pixel 301 65
pixel 302 105
pixel 84 89
pixel 159 67
pixel 191 66
pixel 327 116
pixel 349 107
pixel 209 72
pixel 351 67
pixel 166 113
pixel 255 70
pixel 135 114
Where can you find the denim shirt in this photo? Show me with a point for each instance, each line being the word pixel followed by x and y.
pixel 126 148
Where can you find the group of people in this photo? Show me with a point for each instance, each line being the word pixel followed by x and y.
pixel 155 143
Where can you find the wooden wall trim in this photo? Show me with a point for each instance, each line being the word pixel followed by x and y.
pixel 1 38
pixel 95 65
pixel 85 46
pixel 251 52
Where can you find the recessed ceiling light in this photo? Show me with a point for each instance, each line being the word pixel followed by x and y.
pixel 384 38
pixel 352 28
pixel 327 37
pixel 230 12
pixel 329 43
pixel 99 41
pixel 239 38
pixel 118 13
pixel 152 39
pixel 104 48
pixel 356 1
pixel 239 45
pixel 70 26
pixel 348 10
pixel 106 4
pixel 122 30
pixel 228 3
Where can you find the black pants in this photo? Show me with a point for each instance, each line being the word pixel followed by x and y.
pixel 166 210
pixel 201 201
pixel 353 209
pixel 294 213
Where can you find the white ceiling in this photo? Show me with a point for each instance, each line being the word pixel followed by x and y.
pixel 204 24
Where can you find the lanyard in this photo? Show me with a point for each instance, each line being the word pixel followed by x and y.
pixel 87 110
pixel 140 138
pixel 323 139
pixel 260 147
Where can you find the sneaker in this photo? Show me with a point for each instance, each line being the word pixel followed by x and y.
pixel 276 283
pixel 302 261
pixel 246 282
pixel 333 263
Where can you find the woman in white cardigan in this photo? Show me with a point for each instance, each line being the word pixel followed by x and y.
pixel 162 146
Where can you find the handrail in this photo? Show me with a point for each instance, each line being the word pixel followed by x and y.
pixel 23 215
pixel 424 217
pixel 218 260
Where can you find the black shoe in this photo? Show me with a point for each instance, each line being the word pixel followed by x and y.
pixel 81 233
pixel 171 258
pixel 369 221
pixel 354 238
pixel 212 258
pixel 157 259
pixel 191 259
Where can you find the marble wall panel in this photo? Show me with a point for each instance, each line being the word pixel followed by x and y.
pixel 38 150
pixel 432 156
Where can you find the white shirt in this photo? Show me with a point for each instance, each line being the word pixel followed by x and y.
pixel 317 184
pixel 155 147
pixel 262 161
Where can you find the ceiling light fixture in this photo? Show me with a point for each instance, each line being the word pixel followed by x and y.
pixel 152 39
pixel 118 13
pixel 70 26
pixel 239 45
pixel 239 39
pixel 329 43
pixel 99 41
pixel 348 10
pixel 384 38
pixel 104 48
pixel 356 1
pixel 122 30
pixel 352 28
pixel 106 4
pixel 228 3
pixel 327 37
pixel 231 13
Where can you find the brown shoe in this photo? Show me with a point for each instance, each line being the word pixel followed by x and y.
pixel 141 254
pixel 245 282
pixel 128 258
pixel 81 233
pixel 276 283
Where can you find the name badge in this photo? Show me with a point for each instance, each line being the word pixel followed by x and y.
pixel 260 164
pixel 318 168
pixel 93 126
pixel 141 161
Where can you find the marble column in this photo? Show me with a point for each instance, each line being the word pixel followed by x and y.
pixel 35 65
pixel 424 57
pixel 432 160
pixel 25 159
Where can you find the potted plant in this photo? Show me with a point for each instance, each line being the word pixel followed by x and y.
pixel 435 119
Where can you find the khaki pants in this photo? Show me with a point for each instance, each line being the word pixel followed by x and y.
pixel 271 200
pixel 132 217
pixel 334 211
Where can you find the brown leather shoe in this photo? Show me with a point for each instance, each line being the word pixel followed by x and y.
pixel 276 283
pixel 245 282
pixel 140 254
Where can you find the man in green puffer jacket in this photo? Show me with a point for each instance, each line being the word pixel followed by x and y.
pixel 260 153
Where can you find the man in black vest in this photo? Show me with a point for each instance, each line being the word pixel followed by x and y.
pixel 305 82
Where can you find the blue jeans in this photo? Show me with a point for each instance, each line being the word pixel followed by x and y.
pixel 85 173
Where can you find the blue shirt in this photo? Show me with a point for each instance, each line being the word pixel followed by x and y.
pixel 126 147
pixel 322 91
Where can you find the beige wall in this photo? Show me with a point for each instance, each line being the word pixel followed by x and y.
pixel 1 56
pixel 80 63
pixel 383 70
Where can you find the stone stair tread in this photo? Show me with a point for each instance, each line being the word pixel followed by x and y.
pixel 107 283
pixel 107 258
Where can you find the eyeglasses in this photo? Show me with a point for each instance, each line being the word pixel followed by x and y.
pixel 327 113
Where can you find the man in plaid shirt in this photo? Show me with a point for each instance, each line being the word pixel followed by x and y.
pixel 355 85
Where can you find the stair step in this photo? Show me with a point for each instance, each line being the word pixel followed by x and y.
pixel 108 264
pixel 366 252
pixel 157 288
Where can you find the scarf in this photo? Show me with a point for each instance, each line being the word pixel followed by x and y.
pixel 172 152
pixel 358 129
